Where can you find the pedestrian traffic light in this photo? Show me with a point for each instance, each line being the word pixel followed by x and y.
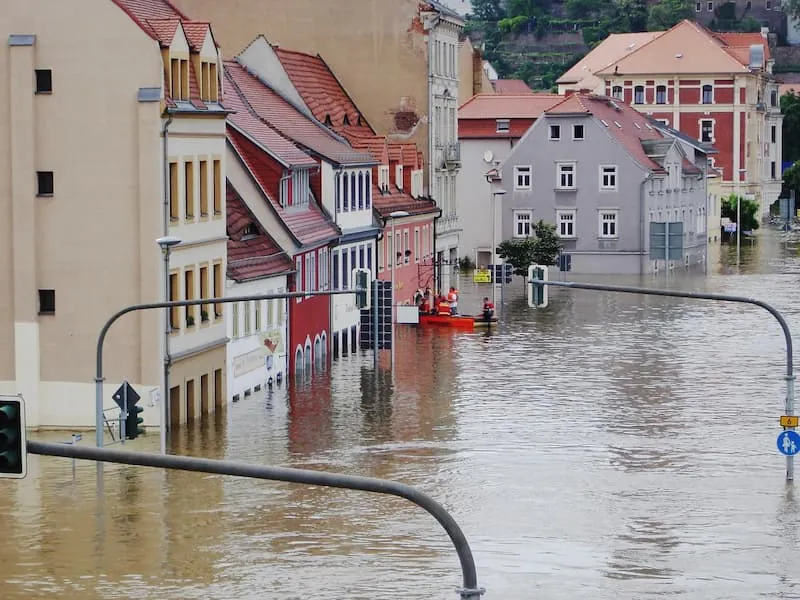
pixel 361 281
pixel 537 292
pixel 13 451
pixel 133 421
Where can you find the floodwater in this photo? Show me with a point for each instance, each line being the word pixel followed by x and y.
pixel 609 446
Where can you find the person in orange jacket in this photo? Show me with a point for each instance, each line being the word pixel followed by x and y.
pixel 452 298
pixel 488 309
pixel 442 305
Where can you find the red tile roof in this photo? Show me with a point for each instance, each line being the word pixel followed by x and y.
pixel 626 124
pixel 511 86
pixel 310 226
pixel 322 92
pixel 246 122
pixel 734 40
pixel 507 106
pixel 387 202
pixel 160 20
pixel 254 255
pixel 290 122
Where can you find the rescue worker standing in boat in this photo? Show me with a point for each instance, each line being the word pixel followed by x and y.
pixel 488 309
pixel 452 298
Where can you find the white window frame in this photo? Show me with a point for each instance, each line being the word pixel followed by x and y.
pixel 608 216
pixel 523 218
pixel 298 277
pixel 609 178
pixel 704 85
pixel 636 96
pixel 700 132
pixel 503 126
pixel 566 169
pixel 617 92
pixel 417 244
pixel 565 220
pixel 574 131
pixel 554 128
pixel 522 171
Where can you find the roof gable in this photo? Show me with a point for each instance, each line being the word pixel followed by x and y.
pixel 179 42
pixel 142 11
pixel 684 49
pixel 511 86
pixel 610 50
pixel 507 106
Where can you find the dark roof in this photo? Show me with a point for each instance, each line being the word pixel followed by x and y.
pixel 252 253
pixel 696 144
pixel 308 225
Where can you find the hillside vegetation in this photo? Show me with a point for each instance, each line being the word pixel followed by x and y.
pixel 538 40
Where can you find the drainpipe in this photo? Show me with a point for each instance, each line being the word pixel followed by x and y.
pixel 437 274
pixel 165 140
pixel 643 196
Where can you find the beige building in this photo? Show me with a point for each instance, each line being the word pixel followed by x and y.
pixel 404 64
pixel 88 88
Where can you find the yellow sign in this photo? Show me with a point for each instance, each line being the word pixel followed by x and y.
pixel 482 276
pixel 789 421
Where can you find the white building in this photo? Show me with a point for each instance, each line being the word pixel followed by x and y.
pixel 257 329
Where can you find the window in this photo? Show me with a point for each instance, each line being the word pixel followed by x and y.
pixel 416 245
pixel 204 293
pixel 44 81
pixel 638 94
pixel 257 315
pixel 566 223
pixel 710 6
pixel 188 291
pixel 174 212
pixel 522 178
pixel 203 188
pixel 44 183
pixel 616 92
pixel 522 223
pixel 248 311
pixel 608 177
pixel 708 94
pixel 661 94
pixel 555 132
pixel 361 191
pixel 768 5
pixel 235 320
pixel 406 246
pixel 368 190
pixel 773 133
pixel 772 170
pixel 706 131
pixel 503 125
pixel 608 224
pixel 47 302
pixel 698 6
pixel 566 176
pixel 381 253
pixel 217 187
pixel 369 258
pixel 577 132
pixel 175 311
pixel 353 191
pixel 773 98
pixel 188 170
pixel 335 269
pixel 218 288
pixel 345 272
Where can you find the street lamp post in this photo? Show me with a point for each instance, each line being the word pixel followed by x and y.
pixel 495 193
pixel 739 214
pixel 166 243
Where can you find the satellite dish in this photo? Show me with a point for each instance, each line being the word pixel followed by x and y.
pixel 488 156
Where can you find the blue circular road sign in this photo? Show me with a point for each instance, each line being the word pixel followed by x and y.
pixel 789 442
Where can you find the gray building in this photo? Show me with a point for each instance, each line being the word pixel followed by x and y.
pixel 627 194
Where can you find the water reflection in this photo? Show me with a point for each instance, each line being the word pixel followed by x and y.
pixel 608 446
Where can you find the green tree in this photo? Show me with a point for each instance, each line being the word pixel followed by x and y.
pixel 541 249
pixel 791 8
pixel 749 210
pixel 790 107
pixel 487 10
pixel 668 13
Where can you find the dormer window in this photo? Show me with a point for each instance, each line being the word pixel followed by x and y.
pixel 345 121
pixel 208 81
pixel 328 121
pixel 383 177
pixel 300 188
pixel 179 79
pixel 250 230
pixel 398 176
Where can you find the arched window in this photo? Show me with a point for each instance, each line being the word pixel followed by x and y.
pixel 661 94
pixel 368 190
pixel 338 193
pixel 360 190
pixel 616 92
pixel 352 191
pixel 298 363
pixel 345 195
pixel 307 363
pixel 708 94
pixel 324 340
pixel 638 94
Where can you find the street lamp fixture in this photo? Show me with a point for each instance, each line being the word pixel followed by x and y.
pixel 166 244
pixel 495 193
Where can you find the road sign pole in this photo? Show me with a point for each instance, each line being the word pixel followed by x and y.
pixel 124 412
pixel 790 412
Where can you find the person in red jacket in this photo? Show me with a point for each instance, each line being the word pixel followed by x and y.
pixel 488 309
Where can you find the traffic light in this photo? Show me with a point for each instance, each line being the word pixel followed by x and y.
pixel 361 281
pixel 13 451
pixel 133 421
pixel 537 292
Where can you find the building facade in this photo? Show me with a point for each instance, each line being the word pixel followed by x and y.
pixel 715 87
pixel 53 309
pixel 489 125
pixel 626 197
pixel 257 329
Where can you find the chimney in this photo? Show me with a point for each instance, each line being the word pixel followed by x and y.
pixel 568 93
pixel 477 72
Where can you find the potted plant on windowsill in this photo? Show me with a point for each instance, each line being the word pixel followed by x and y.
pixel 189 321
pixel 204 316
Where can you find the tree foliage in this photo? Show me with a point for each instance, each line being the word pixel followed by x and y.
pixel 668 13
pixel 540 249
pixel 791 177
pixel 790 107
pixel 487 10
pixel 749 210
